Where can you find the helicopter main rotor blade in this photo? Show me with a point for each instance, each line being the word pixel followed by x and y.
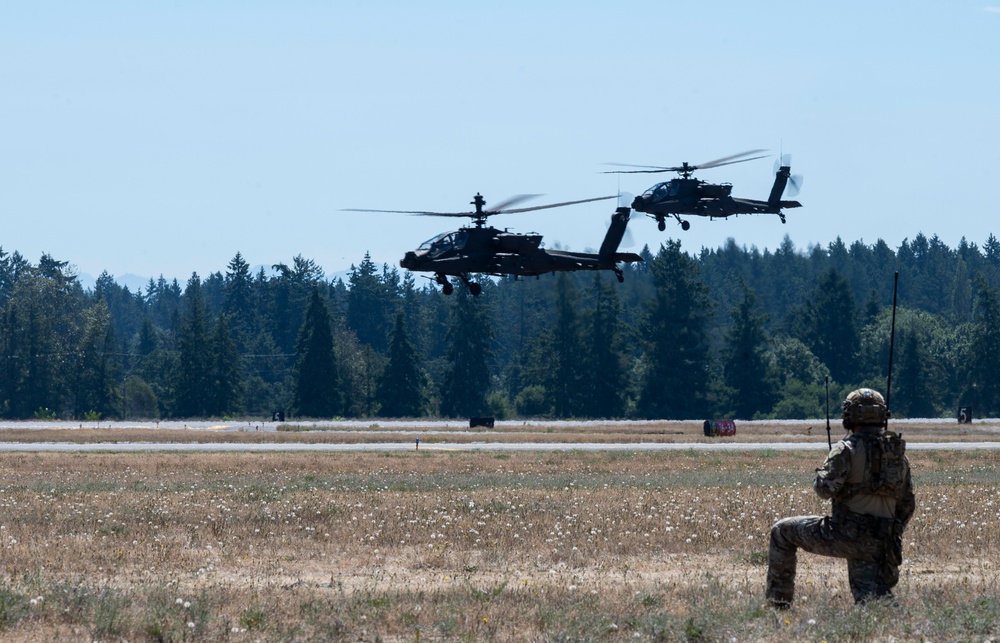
pixel 420 212
pixel 514 200
pixel 505 210
pixel 649 169
pixel 685 168
pixel 555 205
pixel 729 160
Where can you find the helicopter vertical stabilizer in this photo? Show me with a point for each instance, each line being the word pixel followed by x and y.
pixel 780 181
pixel 616 231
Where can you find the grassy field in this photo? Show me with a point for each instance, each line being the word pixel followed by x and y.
pixel 455 545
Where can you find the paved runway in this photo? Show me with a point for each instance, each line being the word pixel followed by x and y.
pixel 132 447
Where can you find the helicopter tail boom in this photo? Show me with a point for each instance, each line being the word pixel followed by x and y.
pixel 616 231
pixel 780 181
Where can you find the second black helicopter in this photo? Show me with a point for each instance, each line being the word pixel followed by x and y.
pixel 687 195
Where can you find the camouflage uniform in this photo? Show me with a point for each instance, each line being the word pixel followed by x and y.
pixel 867 477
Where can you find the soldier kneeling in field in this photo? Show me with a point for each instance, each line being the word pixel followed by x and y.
pixel 867 476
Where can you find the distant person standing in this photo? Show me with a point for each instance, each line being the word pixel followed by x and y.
pixel 867 476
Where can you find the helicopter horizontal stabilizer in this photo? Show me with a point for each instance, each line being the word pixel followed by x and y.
pixel 627 257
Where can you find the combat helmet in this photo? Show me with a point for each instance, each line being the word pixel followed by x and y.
pixel 865 407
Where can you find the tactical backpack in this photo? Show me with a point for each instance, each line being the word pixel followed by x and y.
pixel 885 465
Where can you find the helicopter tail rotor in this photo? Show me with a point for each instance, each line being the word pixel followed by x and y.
pixel 794 180
pixel 794 185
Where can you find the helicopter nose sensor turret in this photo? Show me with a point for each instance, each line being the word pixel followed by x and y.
pixel 409 260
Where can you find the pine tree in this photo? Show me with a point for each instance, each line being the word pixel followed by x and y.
pixel 983 386
pixel 97 373
pixel 826 324
pixel 194 375
pixel 226 380
pixel 147 338
pixel 41 319
pixel 317 381
pixel 746 367
pixel 911 396
pixel 288 299
pixel 564 359
pixel 961 293
pixel 675 381
pixel 369 304
pixel 605 377
pixel 402 392
pixel 467 378
pixel 12 266
pixel 238 303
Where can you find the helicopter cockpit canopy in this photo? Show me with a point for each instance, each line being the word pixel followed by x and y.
pixel 437 246
pixel 661 191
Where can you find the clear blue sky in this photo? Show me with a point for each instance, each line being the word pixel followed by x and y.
pixel 162 138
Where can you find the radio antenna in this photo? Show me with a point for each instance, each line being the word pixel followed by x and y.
pixel 892 343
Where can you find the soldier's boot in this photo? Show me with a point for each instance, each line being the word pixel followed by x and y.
pixel 779 604
pixel 777 599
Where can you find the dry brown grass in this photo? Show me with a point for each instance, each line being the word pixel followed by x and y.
pixel 450 544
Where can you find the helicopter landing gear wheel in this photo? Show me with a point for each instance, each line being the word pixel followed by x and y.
pixel 685 225
pixel 782 217
pixel 661 224
pixel 621 277
pixel 446 286
pixel 474 288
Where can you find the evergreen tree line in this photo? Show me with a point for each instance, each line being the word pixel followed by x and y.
pixel 727 332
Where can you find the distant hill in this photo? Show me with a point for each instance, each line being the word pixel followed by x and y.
pixel 133 282
pixel 138 283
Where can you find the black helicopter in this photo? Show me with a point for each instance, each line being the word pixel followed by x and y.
pixel 691 196
pixel 486 250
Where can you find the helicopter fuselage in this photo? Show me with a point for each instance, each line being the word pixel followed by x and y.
pixel 488 250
